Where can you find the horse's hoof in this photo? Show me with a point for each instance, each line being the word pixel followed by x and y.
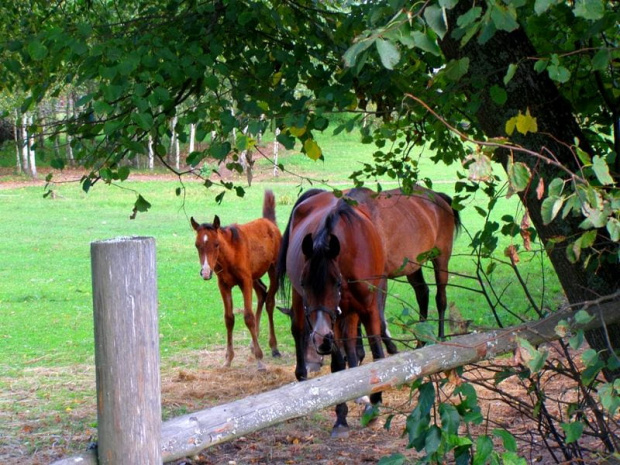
pixel 275 353
pixel 340 432
pixel 261 366
pixel 226 364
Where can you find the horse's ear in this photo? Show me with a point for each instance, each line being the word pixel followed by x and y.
pixel 194 224
pixel 334 247
pixel 307 246
pixel 216 222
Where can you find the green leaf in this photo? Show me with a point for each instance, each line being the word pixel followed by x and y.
pixel 555 188
pixel 583 318
pixel 456 69
pixel 541 6
pixel 613 227
pixel 484 448
pixel 504 17
pixel 589 9
pixel 123 173
pixel 394 459
pixel 389 54
pixel 498 94
pixel 353 52
pixel 435 19
pixel 468 18
pixel 508 440
pixel 573 431
pixel 37 50
pixel 550 207
pixel 558 73
pixel 601 60
pixel 510 72
pixel 450 418
pixel 601 169
pixel 424 42
pixel 518 176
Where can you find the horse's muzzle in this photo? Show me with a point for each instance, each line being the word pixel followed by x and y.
pixel 323 343
pixel 206 275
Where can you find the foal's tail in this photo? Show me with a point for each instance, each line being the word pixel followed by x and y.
pixel 269 206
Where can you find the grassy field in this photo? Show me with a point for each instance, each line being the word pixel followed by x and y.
pixel 45 282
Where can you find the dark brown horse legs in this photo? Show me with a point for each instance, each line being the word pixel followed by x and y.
pixel 341 427
pixel 229 319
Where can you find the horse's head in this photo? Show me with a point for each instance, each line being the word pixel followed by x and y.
pixel 321 283
pixel 208 245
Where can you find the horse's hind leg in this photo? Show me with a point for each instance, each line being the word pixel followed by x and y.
pixel 416 279
pixel 385 333
pixel 441 277
pixel 270 304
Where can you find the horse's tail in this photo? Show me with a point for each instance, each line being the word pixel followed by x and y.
pixel 281 263
pixel 457 215
pixel 269 206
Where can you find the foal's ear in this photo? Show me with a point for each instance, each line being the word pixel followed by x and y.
pixel 307 246
pixel 194 224
pixel 216 222
pixel 334 247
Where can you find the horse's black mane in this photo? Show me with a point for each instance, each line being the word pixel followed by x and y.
pixel 319 263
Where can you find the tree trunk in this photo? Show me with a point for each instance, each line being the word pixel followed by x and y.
pixel 557 131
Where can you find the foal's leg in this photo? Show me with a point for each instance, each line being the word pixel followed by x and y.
pixel 250 321
pixel 261 292
pixel 229 318
pixel 270 304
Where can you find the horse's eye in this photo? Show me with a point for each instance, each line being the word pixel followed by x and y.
pixel 217 245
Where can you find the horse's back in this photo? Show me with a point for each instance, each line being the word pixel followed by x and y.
pixel 261 244
pixel 409 225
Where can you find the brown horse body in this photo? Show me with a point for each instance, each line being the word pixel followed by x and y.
pixel 240 255
pixel 334 260
pixel 414 228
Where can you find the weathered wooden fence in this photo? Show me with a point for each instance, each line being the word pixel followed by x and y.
pixel 189 434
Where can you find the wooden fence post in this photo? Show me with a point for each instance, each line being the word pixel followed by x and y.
pixel 126 350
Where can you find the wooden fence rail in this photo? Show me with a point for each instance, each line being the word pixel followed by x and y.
pixel 189 434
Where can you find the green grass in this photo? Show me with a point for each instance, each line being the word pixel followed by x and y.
pixel 45 302
pixel 46 319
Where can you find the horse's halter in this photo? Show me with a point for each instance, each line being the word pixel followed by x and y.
pixel 333 314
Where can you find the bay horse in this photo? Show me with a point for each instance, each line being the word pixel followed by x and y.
pixel 239 255
pixel 415 228
pixel 334 259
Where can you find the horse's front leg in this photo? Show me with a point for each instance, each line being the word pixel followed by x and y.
pixel 372 323
pixel 341 427
pixel 229 319
pixel 300 336
pixel 250 321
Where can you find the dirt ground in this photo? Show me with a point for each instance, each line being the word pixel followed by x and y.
pixel 197 381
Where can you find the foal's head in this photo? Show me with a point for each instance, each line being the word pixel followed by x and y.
pixel 208 245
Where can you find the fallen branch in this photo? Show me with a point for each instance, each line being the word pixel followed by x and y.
pixel 189 434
